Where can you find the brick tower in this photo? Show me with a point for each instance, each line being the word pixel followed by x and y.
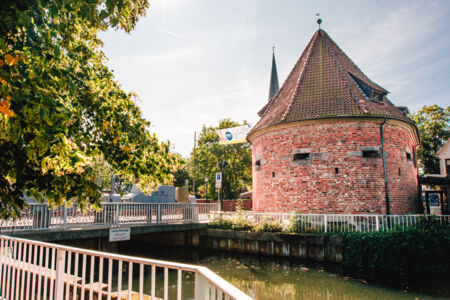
pixel 329 140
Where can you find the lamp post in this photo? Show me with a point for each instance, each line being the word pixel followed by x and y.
pixel 206 183
pixel 222 165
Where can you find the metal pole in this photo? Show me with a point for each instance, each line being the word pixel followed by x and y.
pixel 221 186
pixel 386 185
pixel 206 183
pixel 193 168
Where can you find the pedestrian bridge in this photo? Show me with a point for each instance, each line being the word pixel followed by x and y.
pixel 42 222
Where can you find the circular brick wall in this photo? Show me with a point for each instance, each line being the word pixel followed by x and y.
pixel 318 167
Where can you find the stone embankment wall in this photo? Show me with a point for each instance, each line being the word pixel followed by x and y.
pixel 304 246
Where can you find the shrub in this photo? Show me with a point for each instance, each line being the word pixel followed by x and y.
pixel 268 225
pixel 420 248
pixel 238 222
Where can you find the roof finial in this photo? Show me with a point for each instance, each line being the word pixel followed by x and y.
pixel 319 20
pixel 273 49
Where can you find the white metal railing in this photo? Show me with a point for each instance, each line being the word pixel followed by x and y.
pixel 38 270
pixel 296 222
pixel 40 216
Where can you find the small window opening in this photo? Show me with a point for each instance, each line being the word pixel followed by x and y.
pixel 258 163
pixel 370 153
pixel 301 156
pixel 408 156
pixel 399 172
pixel 273 174
pixel 336 170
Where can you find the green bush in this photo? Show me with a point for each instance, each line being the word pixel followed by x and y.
pixel 235 223
pixel 421 248
pixel 268 225
pixel 300 224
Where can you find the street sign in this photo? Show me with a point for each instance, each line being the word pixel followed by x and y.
pixel 218 180
pixel 119 234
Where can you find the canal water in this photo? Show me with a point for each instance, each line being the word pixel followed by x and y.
pixel 267 278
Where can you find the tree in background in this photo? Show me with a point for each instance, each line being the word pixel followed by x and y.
pixel 237 175
pixel 60 106
pixel 433 124
pixel 180 175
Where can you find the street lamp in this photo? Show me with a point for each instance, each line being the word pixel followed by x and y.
pixel 206 183
pixel 222 165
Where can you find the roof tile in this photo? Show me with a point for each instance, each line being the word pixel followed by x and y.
pixel 322 85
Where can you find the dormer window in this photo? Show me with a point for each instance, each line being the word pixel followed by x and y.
pixel 376 96
pixel 365 88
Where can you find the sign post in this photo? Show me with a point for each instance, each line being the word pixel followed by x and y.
pixel 219 187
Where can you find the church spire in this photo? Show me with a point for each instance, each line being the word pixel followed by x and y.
pixel 274 87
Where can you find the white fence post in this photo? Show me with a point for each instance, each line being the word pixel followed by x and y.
pixel 117 214
pixel 65 217
pixel 201 288
pixel 325 223
pixel 158 214
pixel 59 279
pixel 377 222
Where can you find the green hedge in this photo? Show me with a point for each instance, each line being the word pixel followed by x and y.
pixel 422 248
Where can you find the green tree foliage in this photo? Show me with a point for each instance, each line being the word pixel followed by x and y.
pixel 180 175
pixel 60 106
pixel 433 124
pixel 237 175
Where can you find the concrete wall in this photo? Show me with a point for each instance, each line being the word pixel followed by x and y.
pixel 335 178
pixel 310 247
pixel 164 194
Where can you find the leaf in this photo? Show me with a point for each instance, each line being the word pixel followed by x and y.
pixel 53 10
pixel 103 15
pixel 11 60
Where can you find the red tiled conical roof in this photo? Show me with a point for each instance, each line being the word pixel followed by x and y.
pixel 325 83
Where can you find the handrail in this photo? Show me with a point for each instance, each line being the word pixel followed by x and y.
pixel 40 216
pixel 307 222
pixel 70 270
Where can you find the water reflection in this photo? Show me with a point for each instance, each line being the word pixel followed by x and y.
pixel 271 278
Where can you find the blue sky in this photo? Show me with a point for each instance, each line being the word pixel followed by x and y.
pixel 195 62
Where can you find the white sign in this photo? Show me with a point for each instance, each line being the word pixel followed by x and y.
pixel 233 135
pixel 219 180
pixel 119 234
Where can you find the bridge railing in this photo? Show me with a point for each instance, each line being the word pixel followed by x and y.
pixel 38 270
pixel 298 222
pixel 40 216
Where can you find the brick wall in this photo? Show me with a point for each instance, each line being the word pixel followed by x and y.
pixel 335 178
